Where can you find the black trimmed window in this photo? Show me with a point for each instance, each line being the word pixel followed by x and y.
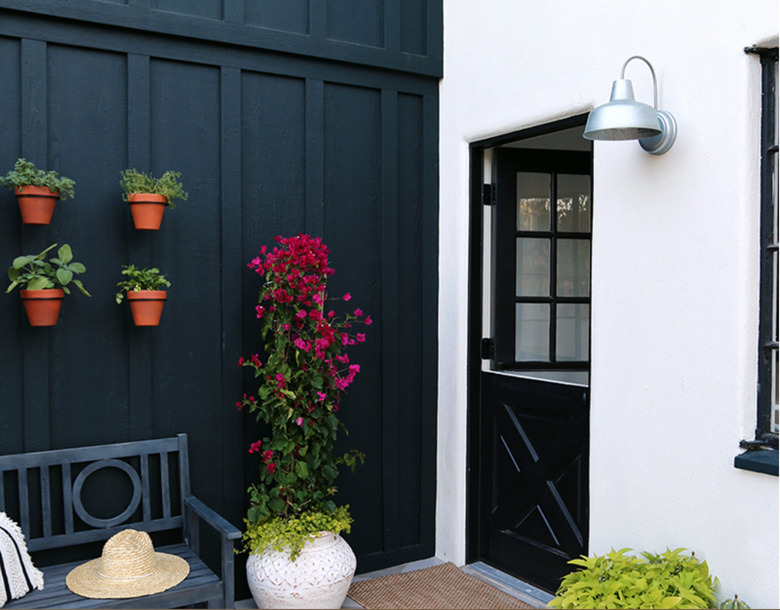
pixel 767 412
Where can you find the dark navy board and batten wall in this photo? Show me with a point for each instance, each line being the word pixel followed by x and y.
pixel 282 117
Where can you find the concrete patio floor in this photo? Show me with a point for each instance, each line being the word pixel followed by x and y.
pixel 517 588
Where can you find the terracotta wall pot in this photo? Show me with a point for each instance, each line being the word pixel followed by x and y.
pixel 36 203
pixel 42 306
pixel 146 306
pixel 318 578
pixel 147 210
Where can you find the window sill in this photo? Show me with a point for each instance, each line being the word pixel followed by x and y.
pixel 762 460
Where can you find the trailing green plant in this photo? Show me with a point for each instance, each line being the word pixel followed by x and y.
pixel 34 272
pixel 25 173
pixel 619 580
pixel 132 181
pixel 306 371
pixel 140 279
pixel 292 533
pixel 733 603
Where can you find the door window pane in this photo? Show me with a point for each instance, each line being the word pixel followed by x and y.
pixel 532 332
pixel 572 338
pixel 533 201
pixel 573 268
pixel 533 267
pixel 573 205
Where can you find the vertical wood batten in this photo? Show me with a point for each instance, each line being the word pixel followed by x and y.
pixel 36 345
pixel 429 304
pixel 231 249
pixel 392 26
pixel 315 156
pixel 140 394
pixel 390 324
pixel 318 19
pixel 233 11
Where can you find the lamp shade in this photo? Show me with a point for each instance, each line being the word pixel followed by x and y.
pixel 622 118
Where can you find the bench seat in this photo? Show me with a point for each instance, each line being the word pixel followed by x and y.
pixel 201 584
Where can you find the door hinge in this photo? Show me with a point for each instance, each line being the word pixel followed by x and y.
pixel 488 194
pixel 488 349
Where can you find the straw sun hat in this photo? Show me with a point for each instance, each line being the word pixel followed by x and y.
pixel 128 567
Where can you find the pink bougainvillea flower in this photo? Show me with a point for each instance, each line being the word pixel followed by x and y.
pixel 270 467
pixel 299 422
pixel 347 297
pixel 255 447
pixel 368 321
pixel 360 337
pixel 321 396
pixel 359 312
pixel 241 361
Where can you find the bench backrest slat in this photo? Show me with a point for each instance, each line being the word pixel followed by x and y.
pixel 64 473
pixel 67 497
pixel 45 502
pixel 165 487
pixel 145 498
pixel 24 501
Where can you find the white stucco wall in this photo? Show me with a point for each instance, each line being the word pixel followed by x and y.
pixel 675 276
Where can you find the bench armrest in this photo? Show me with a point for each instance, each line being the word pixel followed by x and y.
pixel 194 510
pixel 214 519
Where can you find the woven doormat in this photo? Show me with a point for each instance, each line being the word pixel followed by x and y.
pixel 443 586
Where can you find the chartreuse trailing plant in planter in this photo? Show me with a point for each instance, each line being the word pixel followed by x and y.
pixel 306 371
pixel 620 580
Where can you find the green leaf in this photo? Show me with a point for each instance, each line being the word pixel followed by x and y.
pixel 77 268
pixel 65 254
pixel 21 261
pixel 39 283
pixel 81 287
pixel 301 469
pixel 276 505
pixel 64 276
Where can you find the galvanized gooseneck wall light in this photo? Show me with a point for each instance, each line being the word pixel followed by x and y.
pixel 623 118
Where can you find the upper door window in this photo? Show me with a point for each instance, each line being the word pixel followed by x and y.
pixel 541 259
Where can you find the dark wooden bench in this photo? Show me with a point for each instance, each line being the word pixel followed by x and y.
pixel 46 493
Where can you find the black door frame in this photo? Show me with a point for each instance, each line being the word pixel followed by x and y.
pixel 478 198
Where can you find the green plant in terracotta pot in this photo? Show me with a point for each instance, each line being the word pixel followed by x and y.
pixel 149 196
pixel 43 283
pixel 37 190
pixel 145 292
pixel 306 371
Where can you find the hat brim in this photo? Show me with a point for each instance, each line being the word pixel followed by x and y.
pixel 86 580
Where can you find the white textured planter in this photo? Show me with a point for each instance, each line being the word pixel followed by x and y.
pixel 318 578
